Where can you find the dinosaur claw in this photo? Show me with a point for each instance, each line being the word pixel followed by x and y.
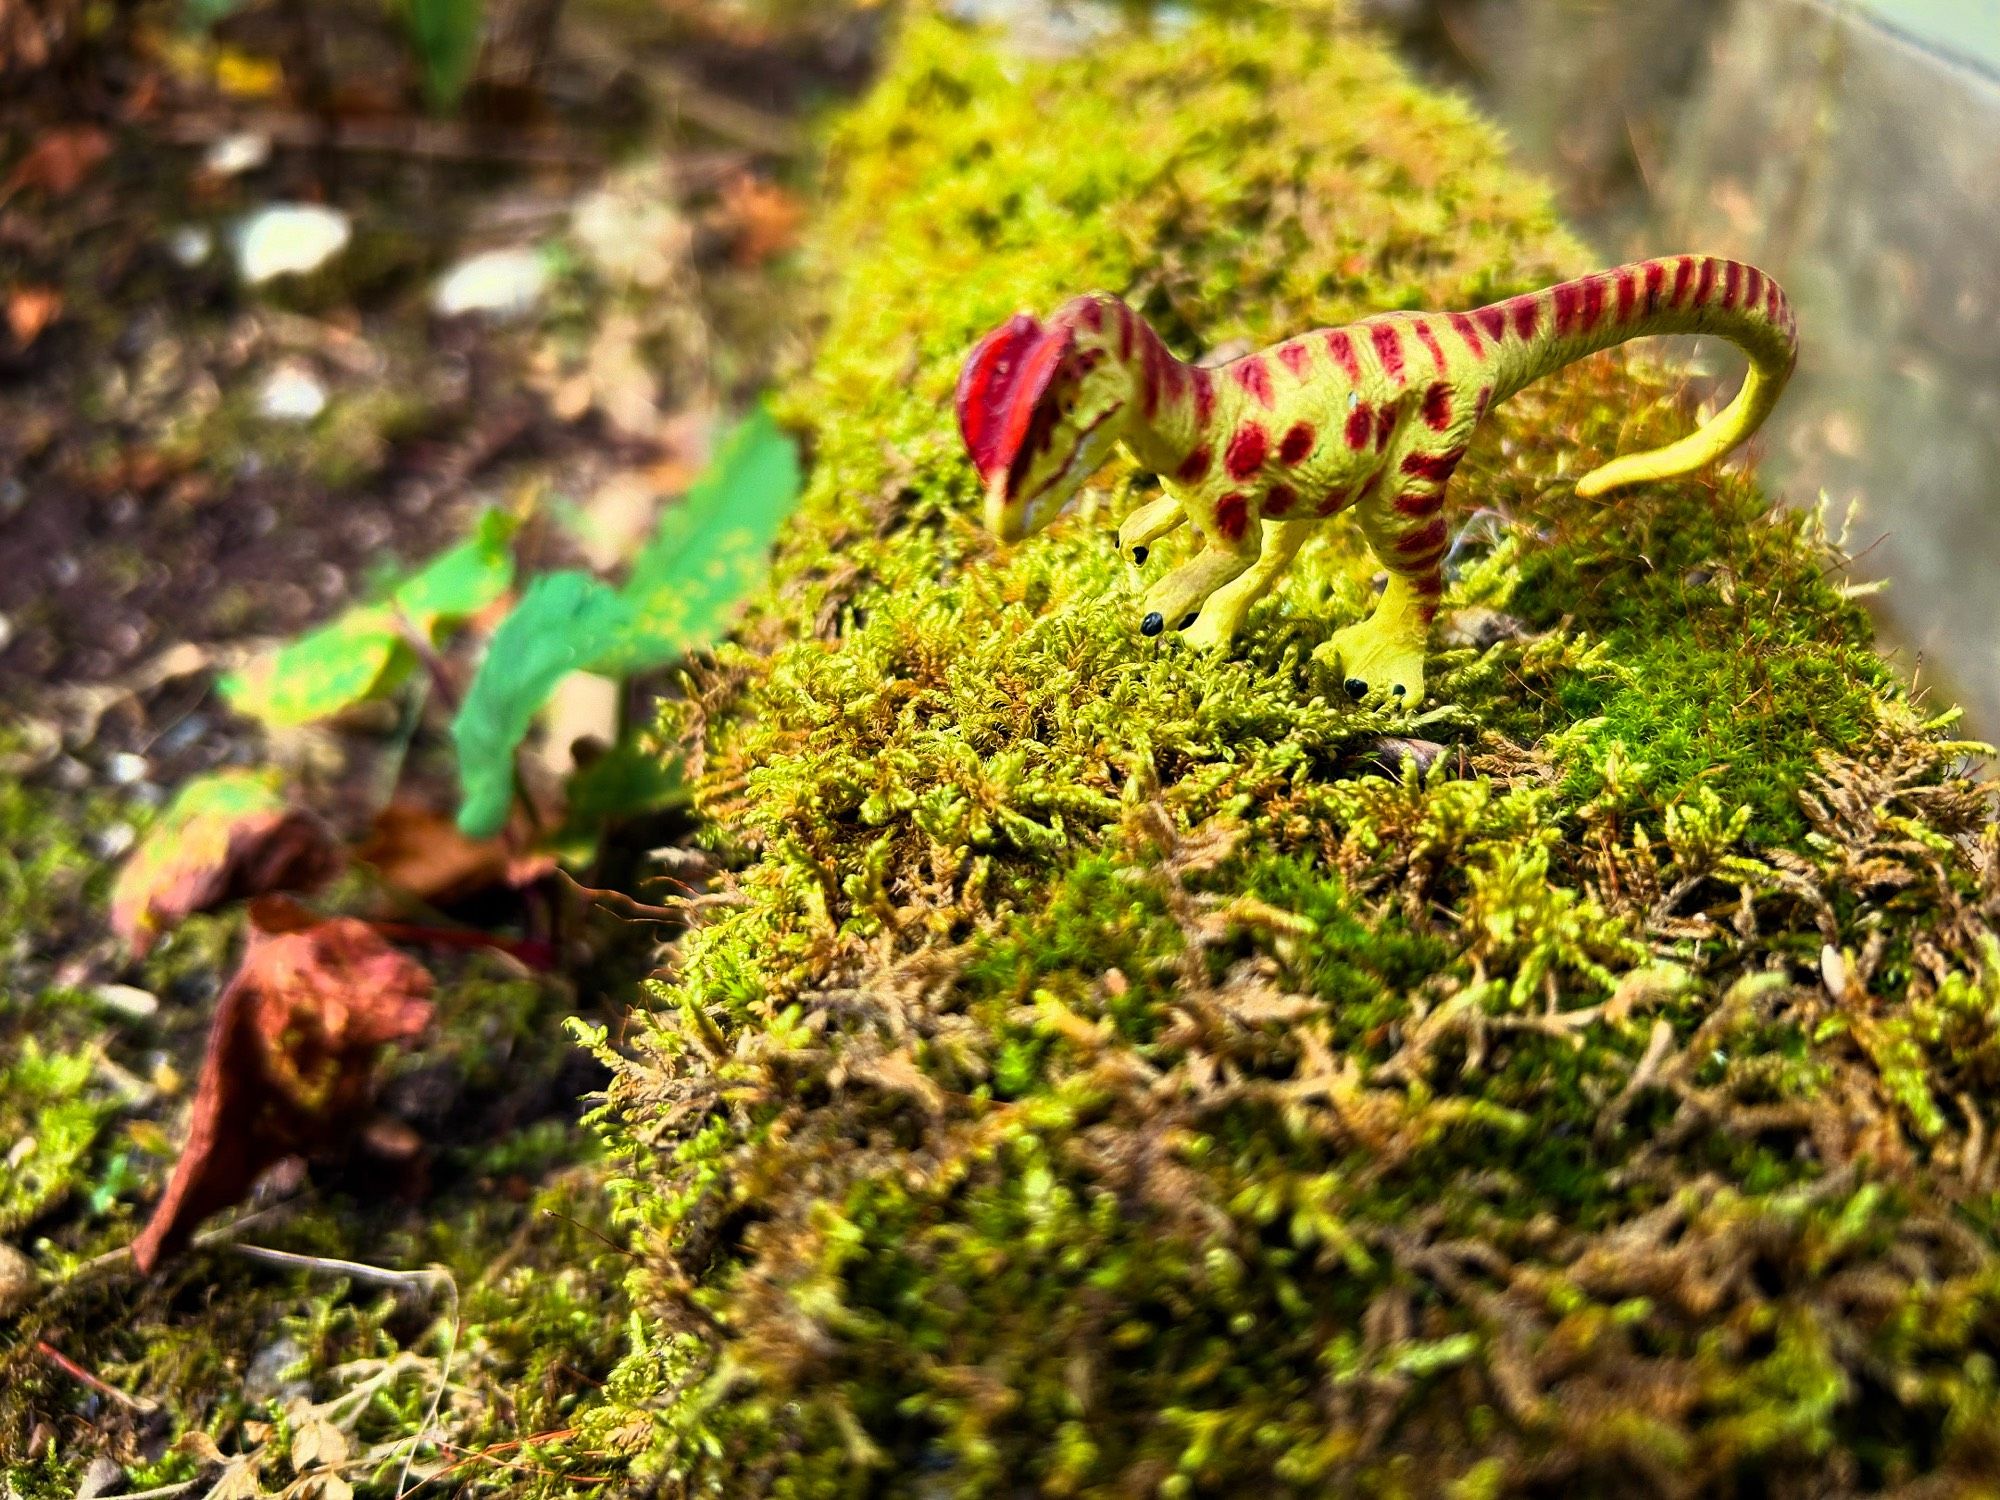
pixel 1152 624
pixel 1139 556
pixel 1357 688
pixel 1192 616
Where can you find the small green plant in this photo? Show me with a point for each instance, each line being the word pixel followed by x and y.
pixel 708 553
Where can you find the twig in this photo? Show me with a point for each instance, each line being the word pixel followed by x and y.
pixel 536 953
pixel 421 138
pixel 79 1374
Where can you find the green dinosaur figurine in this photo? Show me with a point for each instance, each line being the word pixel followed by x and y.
pixel 1374 415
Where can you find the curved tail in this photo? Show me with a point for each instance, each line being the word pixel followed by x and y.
pixel 1543 331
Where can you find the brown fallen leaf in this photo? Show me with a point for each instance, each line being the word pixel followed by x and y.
pixel 421 852
pixel 289 1069
pixel 224 837
pixel 761 218
pixel 30 309
pixel 59 161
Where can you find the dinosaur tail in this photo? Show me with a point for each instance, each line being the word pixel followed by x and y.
pixel 1540 332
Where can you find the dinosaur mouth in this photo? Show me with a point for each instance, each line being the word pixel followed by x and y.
pixel 1011 515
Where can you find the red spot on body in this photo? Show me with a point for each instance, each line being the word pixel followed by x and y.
pixel 1479 407
pixel 1569 302
pixel 1385 423
pixel 1195 465
pixel 1297 358
pixel 1419 502
pixel 1340 344
pixel 1297 443
pixel 1255 378
pixel 1093 316
pixel 1424 539
pixel 1330 504
pixel 1126 318
pixel 1704 284
pixel 1232 514
pixel 1248 449
pixel 1279 499
pixel 1429 585
pixel 1468 332
pixel 1753 286
pixel 1360 423
pixel 1732 283
pixel 1683 274
pixel 1494 320
pixel 1772 297
pixel 1430 342
pixel 1437 405
pixel 1204 395
pixel 1628 295
pixel 1388 348
pixel 1525 312
pixel 1436 466
pixel 1656 281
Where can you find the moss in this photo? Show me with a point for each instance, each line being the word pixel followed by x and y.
pixel 1100 1078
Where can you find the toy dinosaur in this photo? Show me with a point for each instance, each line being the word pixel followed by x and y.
pixel 1375 415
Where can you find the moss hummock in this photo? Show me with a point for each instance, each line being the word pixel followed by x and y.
pixel 1112 1071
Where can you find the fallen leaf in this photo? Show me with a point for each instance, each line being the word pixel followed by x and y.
pixel 289 1069
pixel 763 218
pixel 59 161
pixel 30 309
pixel 225 836
pixel 421 852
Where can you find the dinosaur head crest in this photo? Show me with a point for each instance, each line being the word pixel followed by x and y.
pixel 1034 410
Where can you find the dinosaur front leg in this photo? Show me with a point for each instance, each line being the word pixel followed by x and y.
pixel 1148 524
pixel 1222 616
pixel 1382 658
pixel 1176 600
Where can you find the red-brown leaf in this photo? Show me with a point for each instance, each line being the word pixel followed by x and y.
pixel 291 1056
pixel 422 852
pixel 225 837
pixel 59 161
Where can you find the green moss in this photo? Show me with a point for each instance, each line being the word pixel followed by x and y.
pixel 1102 1079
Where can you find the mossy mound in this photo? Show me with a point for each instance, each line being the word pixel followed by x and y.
pixel 1112 1072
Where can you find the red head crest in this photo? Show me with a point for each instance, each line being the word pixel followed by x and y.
pixel 1005 377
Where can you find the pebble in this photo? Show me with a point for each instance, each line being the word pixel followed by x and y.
pixel 124 768
pixel 233 155
pixel 18 1282
pixel 291 393
pixel 287 239
pixel 115 842
pixel 190 245
pixel 265 1380
pixel 128 1000
pixel 499 283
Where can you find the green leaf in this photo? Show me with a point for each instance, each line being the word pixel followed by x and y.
pixel 463 581
pixel 362 654
pixel 711 550
pixel 445 36
pixel 565 621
